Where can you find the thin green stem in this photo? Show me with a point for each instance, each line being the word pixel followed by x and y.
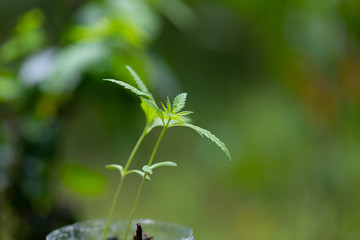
pixel 157 144
pixel 144 178
pixel 134 207
pixel 113 206
pixel 122 180
pixel 135 149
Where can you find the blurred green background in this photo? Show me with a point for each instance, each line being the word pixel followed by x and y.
pixel 277 81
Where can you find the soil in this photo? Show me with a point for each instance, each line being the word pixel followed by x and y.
pixel 139 235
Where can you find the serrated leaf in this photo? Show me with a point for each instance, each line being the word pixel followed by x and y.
pixel 141 173
pixel 147 169
pixel 163 164
pixel 209 135
pixel 131 88
pixel 179 102
pixel 138 80
pixel 116 167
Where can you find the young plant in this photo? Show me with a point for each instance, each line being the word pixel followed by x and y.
pixel 170 115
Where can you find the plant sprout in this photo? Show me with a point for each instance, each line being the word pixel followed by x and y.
pixel 168 116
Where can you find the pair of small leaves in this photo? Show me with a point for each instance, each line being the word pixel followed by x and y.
pixel 123 174
pixel 146 169
pixel 149 169
pixel 171 114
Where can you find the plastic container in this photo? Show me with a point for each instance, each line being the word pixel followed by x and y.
pixel 93 230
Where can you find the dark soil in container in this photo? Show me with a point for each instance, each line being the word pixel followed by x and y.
pixel 139 235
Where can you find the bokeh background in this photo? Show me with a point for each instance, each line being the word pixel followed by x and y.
pixel 277 81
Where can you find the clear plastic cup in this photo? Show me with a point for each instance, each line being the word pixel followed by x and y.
pixel 93 230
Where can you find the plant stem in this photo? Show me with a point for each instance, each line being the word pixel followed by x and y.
pixel 134 207
pixel 158 143
pixel 113 206
pixel 122 180
pixel 144 178
pixel 135 149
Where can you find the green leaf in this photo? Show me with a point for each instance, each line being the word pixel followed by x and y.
pixel 138 81
pixel 179 102
pixel 209 135
pixel 154 106
pixel 117 167
pixel 165 109
pixel 131 88
pixel 147 169
pixel 168 104
pixel 149 111
pixel 184 113
pixel 141 173
pixel 163 164
pixel 179 119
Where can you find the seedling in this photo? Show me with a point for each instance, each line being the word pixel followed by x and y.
pixel 168 116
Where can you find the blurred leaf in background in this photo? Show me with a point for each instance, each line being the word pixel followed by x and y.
pixel 27 37
pixel 82 180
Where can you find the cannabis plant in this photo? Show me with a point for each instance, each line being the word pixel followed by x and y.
pixel 168 115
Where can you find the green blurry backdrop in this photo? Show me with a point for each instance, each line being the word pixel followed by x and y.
pixel 277 81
